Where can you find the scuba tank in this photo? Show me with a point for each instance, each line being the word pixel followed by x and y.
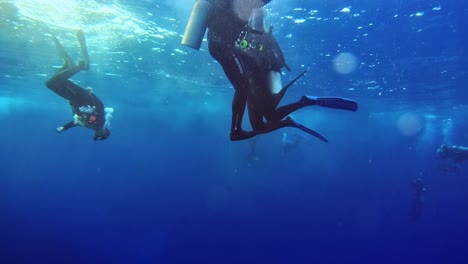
pixel 197 24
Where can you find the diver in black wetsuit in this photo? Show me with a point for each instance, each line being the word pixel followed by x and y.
pixel 225 24
pixel 252 60
pixel 87 108
pixel 455 153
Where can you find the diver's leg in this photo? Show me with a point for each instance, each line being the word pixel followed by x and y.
pixel 59 82
pixel 65 88
pixel 67 61
pixel 237 72
pixel 286 110
pixel 256 117
pixel 68 69
pixel 274 83
pixel 238 109
pixel 259 108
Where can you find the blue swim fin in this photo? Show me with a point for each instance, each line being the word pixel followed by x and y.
pixel 332 102
pixel 292 123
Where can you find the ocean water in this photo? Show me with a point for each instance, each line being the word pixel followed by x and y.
pixel 169 187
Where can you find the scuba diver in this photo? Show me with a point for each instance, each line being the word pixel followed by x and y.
pixel 418 199
pixel 87 108
pixel 455 153
pixel 252 61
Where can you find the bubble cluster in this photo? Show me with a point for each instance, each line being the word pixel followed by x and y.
pixel 345 63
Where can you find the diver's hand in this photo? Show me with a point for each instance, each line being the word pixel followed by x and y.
pixel 59 129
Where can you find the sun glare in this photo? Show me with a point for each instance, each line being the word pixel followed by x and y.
pixel 65 14
pixel 110 21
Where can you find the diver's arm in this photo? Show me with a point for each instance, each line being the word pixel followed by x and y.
pixel 66 126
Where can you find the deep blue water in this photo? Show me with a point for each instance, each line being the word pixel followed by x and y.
pixel 169 187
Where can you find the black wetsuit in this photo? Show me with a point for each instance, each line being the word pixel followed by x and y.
pixel 78 97
pixel 88 109
pixel 456 153
pixel 227 26
pixel 248 56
